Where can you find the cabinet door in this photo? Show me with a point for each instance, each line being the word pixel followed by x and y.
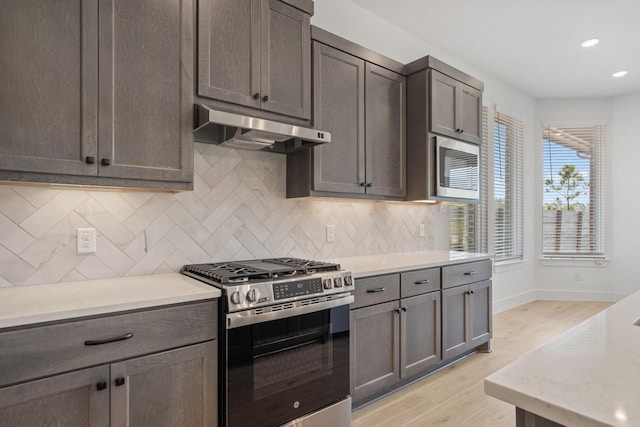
pixel 385 132
pixel 443 104
pixel 145 89
pixel 72 399
pixel 420 336
pixel 48 95
pixel 375 363
pixel 285 60
pixel 338 88
pixel 174 388
pixel 470 110
pixel 229 30
pixel 479 313
pixel 455 323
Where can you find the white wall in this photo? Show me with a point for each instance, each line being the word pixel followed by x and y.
pixel 513 285
pixel 625 222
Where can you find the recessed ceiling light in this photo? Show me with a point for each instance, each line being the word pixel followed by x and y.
pixel 590 43
pixel 619 74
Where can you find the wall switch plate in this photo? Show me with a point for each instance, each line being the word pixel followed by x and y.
pixel 421 230
pixel 86 239
pixel 331 233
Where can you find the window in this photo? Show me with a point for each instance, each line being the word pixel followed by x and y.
pixel 508 188
pixel 573 196
pixel 468 222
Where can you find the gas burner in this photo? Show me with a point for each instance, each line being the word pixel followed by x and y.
pixel 250 271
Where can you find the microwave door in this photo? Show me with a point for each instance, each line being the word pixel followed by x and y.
pixel 457 169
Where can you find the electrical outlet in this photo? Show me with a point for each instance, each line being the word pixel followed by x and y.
pixel 421 230
pixel 86 240
pixel 331 233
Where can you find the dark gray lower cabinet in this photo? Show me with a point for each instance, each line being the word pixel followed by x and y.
pixel 71 399
pixel 375 349
pixel 173 388
pixel 466 318
pixel 420 333
pixel 393 340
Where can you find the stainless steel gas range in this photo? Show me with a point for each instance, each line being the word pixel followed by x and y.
pixel 284 341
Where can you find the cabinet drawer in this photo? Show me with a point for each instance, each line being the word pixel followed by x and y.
pixel 419 282
pixel 46 350
pixel 375 290
pixel 461 274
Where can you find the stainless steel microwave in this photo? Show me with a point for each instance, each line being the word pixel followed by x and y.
pixel 457 169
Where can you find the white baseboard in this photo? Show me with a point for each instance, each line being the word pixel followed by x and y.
pixel 513 301
pixel 563 295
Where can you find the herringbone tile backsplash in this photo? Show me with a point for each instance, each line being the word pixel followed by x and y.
pixel 237 210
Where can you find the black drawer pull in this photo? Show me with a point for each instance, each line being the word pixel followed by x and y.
pixel 470 273
pixel 422 282
pixel 90 160
pixel 119 381
pixel 376 290
pixel 108 340
pixel 105 162
pixel 102 385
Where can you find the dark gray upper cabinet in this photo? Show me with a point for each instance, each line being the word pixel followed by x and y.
pixel 48 92
pixel 455 108
pixel 256 53
pixel 448 100
pixel 145 128
pixel 362 105
pixel 97 92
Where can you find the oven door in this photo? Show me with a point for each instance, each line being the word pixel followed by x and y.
pixel 457 169
pixel 294 362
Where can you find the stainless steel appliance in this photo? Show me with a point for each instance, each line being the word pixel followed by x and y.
pixel 457 169
pixel 284 341
pixel 251 133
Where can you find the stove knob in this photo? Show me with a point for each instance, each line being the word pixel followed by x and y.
pixel 326 283
pixel 348 281
pixel 337 282
pixel 237 298
pixel 253 295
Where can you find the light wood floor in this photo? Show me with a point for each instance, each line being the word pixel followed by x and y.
pixel 455 396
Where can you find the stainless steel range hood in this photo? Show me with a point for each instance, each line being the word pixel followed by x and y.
pixel 250 133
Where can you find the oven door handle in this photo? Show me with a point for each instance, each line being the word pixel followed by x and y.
pixel 249 317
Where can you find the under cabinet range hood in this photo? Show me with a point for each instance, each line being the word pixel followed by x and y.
pixel 250 133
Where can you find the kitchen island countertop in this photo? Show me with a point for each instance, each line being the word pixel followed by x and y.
pixel 371 265
pixel 589 376
pixel 26 305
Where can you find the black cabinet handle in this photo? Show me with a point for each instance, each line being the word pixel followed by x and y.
pixel 361 184
pixel 461 130
pixel 256 95
pixel 90 160
pixel 369 184
pixel 403 309
pixel 119 381
pixel 470 273
pixel 468 292
pixel 109 340
pixel 422 282
pixel 472 292
pixel 376 290
pixel 102 385
pixel 397 310
pixel 265 98
pixel 105 162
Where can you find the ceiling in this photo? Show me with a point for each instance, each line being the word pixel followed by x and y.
pixel 532 45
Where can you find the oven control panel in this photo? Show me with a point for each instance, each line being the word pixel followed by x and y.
pixel 247 296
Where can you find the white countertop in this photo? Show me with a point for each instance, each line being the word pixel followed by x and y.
pixel 589 376
pixel 371 265
pixel 25 305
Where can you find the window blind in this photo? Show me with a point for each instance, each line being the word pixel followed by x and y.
pixel 573 196
pixel 508 188
pixel 468 223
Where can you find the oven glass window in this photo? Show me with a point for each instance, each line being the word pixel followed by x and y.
pixel 458 169
pixel 283 369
